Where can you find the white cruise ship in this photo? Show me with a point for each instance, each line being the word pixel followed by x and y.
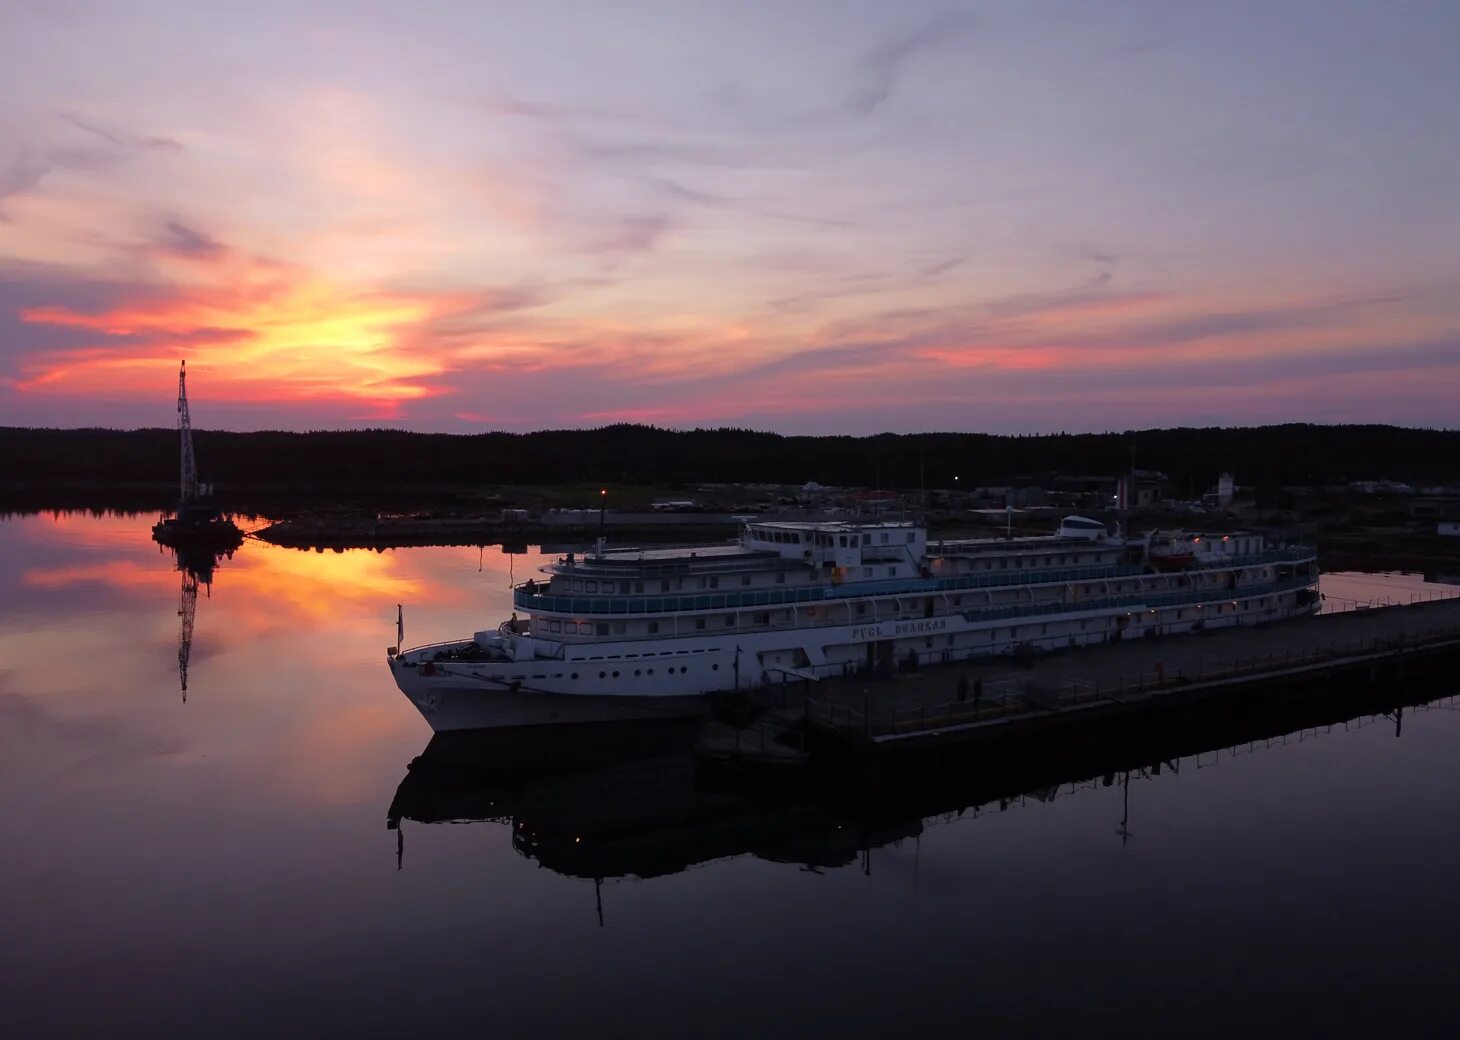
pixel 635 633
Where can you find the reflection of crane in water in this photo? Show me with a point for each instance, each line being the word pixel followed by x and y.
pixel 187 610
pixel 196 566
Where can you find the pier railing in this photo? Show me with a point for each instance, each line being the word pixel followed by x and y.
pixel 1343 604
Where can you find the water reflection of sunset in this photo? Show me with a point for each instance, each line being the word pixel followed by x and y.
pixel 286 668
pixel 78 530
pixel 288 584
pixel 122 574
pixel 318 586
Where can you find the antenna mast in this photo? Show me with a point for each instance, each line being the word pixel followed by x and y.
pixel 185 433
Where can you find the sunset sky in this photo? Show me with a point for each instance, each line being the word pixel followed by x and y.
pixel 841 216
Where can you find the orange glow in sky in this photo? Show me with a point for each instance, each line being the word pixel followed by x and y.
pixel 289 342
pixel 783 227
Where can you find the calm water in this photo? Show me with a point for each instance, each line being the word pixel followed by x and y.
pixel 223 866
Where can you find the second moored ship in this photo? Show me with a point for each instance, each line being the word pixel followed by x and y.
pixel 636 633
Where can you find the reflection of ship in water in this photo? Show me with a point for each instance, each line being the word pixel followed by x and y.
pixel 197 522
pixel 635 806
pixel 196 564
pixel 644 808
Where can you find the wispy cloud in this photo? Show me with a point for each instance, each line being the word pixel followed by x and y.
pixel 181 240
pixel 879 70
pixel 29 166
pixel 24 172
pixel 121 137
pixel 942 267
pixel 631 235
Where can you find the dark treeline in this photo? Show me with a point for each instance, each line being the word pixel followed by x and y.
pixel 1192 458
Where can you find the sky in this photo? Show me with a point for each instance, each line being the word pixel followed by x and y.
pixel 809 217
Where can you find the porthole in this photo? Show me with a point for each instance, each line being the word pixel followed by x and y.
pixel 651 671
pixel 714 668
pixel 603 675
pixel 574 675
pixel 637 672
pixel 615 675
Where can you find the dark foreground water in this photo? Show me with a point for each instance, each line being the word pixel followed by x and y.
pixel 223 866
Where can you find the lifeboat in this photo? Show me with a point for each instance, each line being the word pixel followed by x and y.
pixel 1171 552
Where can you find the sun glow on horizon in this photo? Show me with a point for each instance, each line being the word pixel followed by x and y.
pixel 280 342
pixel 827 233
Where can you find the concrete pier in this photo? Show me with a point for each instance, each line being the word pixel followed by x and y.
pixel 976 702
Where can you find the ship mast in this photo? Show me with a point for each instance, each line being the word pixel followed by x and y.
pixel 185 433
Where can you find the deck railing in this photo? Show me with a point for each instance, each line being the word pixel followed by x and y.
pixel 578 605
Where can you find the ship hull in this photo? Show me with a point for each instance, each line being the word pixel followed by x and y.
pixel 449 706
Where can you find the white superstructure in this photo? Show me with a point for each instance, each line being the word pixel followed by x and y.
pixel 626 633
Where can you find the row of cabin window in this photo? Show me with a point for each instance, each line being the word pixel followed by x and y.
pixel 763 617
pixel 760 617
pixel 1221 608
pixel 1039 561
pixel 713 581
pixel 626 587
pixel 604 674
pixel 828 541
pixel 619 628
